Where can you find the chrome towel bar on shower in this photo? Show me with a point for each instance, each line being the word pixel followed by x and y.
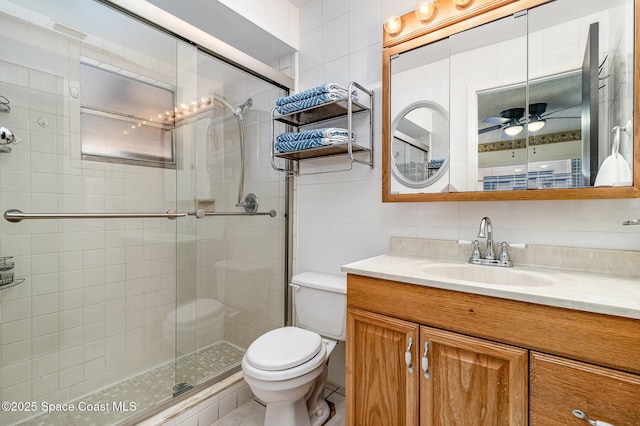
pixel 14 215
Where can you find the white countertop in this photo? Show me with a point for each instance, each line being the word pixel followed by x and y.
pixel 590 292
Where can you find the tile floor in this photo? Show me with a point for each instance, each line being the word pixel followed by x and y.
pixel 252 413
pixel 147 390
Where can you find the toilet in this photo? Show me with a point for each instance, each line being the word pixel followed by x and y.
pixel 194 325
pixel 286 368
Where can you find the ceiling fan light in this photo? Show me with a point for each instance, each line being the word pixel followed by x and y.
pixel 536 124
pixel 513 129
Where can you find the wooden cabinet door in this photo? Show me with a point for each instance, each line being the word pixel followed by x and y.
pixel 560 385
pixel 472 381
pixel 381 389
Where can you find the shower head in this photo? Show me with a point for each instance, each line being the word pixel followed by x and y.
pixel 247 104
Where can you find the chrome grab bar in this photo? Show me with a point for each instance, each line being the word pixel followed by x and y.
pixel 201 213
pixel 15 215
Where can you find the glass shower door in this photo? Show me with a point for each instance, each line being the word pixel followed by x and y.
pixel 105 302
pixel 87 323
pixel 231 273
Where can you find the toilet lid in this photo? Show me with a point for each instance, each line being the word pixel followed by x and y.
pixel 283 348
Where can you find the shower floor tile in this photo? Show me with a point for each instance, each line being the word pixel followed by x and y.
pixel 146 390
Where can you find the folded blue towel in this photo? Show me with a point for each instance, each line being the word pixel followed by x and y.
pixel 288 146
pixel 329 132
pixel 314 91
pixel 436 163
pixel 323 98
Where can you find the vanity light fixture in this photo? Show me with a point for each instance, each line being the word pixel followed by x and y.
pixel 425 10
pixel 393 24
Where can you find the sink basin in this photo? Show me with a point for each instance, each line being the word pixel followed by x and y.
pixel 489 275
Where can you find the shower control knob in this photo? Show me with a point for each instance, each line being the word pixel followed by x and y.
pixel 6 136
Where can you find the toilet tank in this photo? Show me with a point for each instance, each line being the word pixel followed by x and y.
pixel 321 303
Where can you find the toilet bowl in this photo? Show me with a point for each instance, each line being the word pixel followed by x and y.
pixel 194 325
pixel 286 368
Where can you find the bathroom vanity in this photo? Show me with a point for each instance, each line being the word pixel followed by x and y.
pixel 428 345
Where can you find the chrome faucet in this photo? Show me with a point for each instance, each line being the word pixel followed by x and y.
pixel 489 258
pixel 486 230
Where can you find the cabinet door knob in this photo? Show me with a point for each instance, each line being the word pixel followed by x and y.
pixel 581 415
pixel 407 356
pixel 425 361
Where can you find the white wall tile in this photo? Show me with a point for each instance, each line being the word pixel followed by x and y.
pixel 335 36
pixel 364 29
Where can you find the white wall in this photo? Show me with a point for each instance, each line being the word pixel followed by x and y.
pixel 340 217
pixel 279 17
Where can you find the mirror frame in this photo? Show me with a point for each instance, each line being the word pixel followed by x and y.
pixel 451 19
pixel 396 122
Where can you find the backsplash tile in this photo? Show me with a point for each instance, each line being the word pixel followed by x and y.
pixel 609 262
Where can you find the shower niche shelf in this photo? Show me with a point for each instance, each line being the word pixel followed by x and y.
pixel 346 108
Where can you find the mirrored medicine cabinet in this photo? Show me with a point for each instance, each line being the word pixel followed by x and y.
pixel 512 100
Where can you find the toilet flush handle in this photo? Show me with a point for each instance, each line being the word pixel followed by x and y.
pixel 296 287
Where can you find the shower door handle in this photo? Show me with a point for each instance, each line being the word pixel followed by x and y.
pixel 199 214
pixel 15 215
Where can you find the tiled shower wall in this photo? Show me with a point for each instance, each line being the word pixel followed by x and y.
pixel 97 292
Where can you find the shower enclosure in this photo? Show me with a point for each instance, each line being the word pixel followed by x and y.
pixel 144 238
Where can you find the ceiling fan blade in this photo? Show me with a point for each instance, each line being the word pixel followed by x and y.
pixel 560 118
pixel 489 129
pixel 546 114
pixel 495 120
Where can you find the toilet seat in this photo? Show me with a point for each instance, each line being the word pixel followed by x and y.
pixel 284 353
pixel 283 348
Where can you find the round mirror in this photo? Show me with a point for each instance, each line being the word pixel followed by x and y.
pixel 420 144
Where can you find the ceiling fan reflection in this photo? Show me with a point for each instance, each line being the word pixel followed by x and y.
pixel 511 121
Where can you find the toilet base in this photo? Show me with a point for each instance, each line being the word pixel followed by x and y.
pixel 317 408
pixel 283 414
pixel 322 413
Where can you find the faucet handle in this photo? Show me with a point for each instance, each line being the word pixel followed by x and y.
pixel 475 252
pixel 504 255
pixel 503 252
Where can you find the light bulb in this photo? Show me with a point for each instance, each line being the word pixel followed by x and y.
pixel 463 3
pixel 393 24
pixel 425 10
